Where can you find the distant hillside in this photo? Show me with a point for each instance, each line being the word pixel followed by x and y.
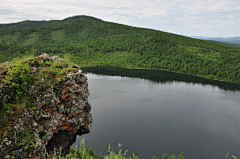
pixel 233 41
pixel 218 38
pixel 94 42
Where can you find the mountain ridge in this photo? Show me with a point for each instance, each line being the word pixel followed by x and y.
pixel 234 41
pixel 94 42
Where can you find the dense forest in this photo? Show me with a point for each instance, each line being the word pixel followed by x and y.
pixel 94 42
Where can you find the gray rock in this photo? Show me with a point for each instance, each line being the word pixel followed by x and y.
pixel 57 58
pixel 44 56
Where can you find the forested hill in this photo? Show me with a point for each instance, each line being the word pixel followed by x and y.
pixel 94 42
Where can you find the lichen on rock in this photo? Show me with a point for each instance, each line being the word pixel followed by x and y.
pixel 44 105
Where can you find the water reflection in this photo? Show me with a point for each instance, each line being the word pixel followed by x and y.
pixel 162 114
pixel 160 76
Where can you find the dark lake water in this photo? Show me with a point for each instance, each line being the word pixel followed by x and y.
pixel 155 112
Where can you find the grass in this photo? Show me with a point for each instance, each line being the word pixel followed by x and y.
pixel 87 153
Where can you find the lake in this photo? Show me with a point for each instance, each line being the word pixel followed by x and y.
pixel 155 112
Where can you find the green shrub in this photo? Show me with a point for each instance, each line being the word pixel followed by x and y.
pixel 165 156
pixel 19 77
pixel 74 109
pixel 7 107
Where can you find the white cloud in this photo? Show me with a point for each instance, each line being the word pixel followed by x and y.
pixel 180 16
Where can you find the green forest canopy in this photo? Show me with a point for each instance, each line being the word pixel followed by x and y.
pixel 94 42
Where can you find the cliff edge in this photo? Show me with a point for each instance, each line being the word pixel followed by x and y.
pixel 43 105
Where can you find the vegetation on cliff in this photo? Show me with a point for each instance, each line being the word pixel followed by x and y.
pixel 93 42
pixel 22 77
pixel 17 75
pixel 42 99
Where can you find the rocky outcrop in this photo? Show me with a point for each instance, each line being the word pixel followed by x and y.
pixel 45 112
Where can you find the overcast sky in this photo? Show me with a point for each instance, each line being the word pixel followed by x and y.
pixel 215 18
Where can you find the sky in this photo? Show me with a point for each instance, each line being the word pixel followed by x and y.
pixel 213 18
